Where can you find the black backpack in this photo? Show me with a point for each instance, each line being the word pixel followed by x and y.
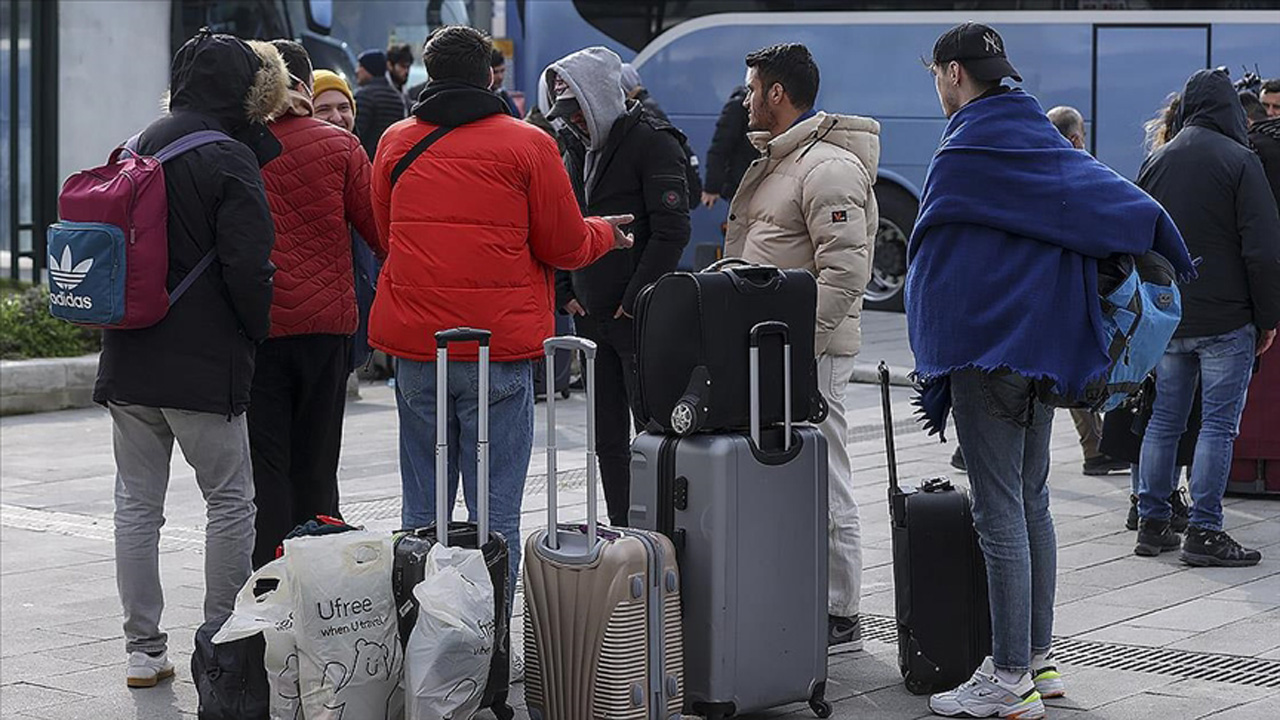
pixel 230 678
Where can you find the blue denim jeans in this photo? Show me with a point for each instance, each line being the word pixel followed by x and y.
pixel 510 442
pixel 1224 365
pixel 1005 434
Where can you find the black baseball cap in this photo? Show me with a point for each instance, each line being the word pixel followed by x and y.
pixel 979 48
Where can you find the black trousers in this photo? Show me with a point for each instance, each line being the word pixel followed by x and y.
pixel 615 384
pixel 295 433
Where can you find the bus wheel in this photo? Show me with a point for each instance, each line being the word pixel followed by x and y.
pixel 889 269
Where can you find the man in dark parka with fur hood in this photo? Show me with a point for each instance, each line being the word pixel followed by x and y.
pixel 187 378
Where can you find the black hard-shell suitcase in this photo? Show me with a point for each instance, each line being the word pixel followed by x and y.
pixel 939 577
pixel 412 545
pixel 691 348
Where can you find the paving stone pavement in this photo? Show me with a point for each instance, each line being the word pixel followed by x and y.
pixel 1146 638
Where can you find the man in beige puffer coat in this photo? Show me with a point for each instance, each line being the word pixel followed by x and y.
pixel 808 203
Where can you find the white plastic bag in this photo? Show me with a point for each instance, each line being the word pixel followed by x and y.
pixel 272 615
pixel 349 656
pixel 449 651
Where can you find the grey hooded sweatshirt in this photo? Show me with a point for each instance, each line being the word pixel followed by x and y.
pixel 595 76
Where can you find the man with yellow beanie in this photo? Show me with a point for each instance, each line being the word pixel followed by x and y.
pixel 333 100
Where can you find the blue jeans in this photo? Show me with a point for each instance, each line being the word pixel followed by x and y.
pixel 1224 365
pixel 510 442
pixel 1005 434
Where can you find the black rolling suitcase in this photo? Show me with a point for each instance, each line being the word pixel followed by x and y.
pixel 939 577
pixel 412 545
pixel 691 349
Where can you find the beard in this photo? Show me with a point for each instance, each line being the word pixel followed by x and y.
pixel 760 117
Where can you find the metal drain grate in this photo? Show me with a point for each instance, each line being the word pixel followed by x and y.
pixel 1232 669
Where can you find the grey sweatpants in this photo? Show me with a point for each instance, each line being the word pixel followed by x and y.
pixel 218 450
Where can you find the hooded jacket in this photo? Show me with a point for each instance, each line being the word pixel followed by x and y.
pixel 1265 137
pixel 1003 259
pixel 807 203
pixel 319 183
pixel 473 229
pixel 631 163
pixel 378 107
pixel 200 356
pixel 731 151
pixel 1214 187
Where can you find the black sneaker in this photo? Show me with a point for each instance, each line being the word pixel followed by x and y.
pixel 1181 513
pixel 844 634
pixel 1131 522
pixel 1155 537
pixel 1104 465
pixel 957 460
pixel 1214 547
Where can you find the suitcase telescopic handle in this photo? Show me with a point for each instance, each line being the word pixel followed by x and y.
pixel 890 450
pixel 759 331
pixel 444 338
pixel 588 349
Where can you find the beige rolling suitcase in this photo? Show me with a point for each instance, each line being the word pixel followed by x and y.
pixel 602 605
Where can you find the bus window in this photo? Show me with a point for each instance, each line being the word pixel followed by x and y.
pixel 637 22
pixel 249 19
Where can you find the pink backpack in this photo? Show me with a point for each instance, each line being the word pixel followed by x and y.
pixel 109 256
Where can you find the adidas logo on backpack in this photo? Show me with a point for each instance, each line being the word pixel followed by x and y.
pixel 109 256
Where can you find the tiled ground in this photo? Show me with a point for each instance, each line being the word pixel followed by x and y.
pixel 61 654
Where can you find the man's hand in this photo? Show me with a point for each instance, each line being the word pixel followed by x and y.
pixel 709 199
pixel 621 240
pixel 573 307
pixel 1264 341
pixel 620 313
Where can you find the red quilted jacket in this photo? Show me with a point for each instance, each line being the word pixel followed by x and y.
pixel 318 184
pixel 474 228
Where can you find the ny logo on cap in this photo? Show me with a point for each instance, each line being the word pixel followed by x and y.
pixel 993 43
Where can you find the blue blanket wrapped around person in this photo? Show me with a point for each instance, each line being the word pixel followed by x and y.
pixel 1004 256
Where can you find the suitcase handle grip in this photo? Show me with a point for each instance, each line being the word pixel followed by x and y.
pixel 755 278
pixel 769 327
pixel 462 334
pixel 444 509
pixel 588 349
pixel 569 342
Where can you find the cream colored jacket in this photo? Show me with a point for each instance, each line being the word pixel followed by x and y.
pixel 808 204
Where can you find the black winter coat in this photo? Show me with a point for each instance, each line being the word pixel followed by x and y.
pixel 378 107
pixel 200 356
pixel 1213 186
pixel 1265 137
pixel 642 173
pixel 651 105
pixel 731 153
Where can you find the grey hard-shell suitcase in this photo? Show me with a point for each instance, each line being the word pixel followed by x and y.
pixel 602 605
pixel 748 515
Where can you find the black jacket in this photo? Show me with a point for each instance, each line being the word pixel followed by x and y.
pixel 378 107
pixel 1214 187
pixel 200 356
pixel 651 105
pixel 642 172
pixel 730 153
pixel 1265 137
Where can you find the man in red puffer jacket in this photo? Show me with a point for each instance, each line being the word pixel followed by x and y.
pixel 318 184
pixel 473 228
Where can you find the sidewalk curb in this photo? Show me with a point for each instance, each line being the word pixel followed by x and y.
pixel 865 373
pixel 47 384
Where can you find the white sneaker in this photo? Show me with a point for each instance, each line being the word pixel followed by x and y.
pixel 1044 673
pixel 146 671
pixel 984 696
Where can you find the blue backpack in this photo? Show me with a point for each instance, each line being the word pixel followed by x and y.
pixel 1141 309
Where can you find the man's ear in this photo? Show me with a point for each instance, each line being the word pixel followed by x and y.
pixel 776 92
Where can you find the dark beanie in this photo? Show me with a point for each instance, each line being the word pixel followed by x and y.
pixel 374 62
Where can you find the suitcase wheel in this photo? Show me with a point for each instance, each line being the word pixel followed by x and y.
pixel 503 711
pixel 821 708
pixel 565 394
pixel 918 687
